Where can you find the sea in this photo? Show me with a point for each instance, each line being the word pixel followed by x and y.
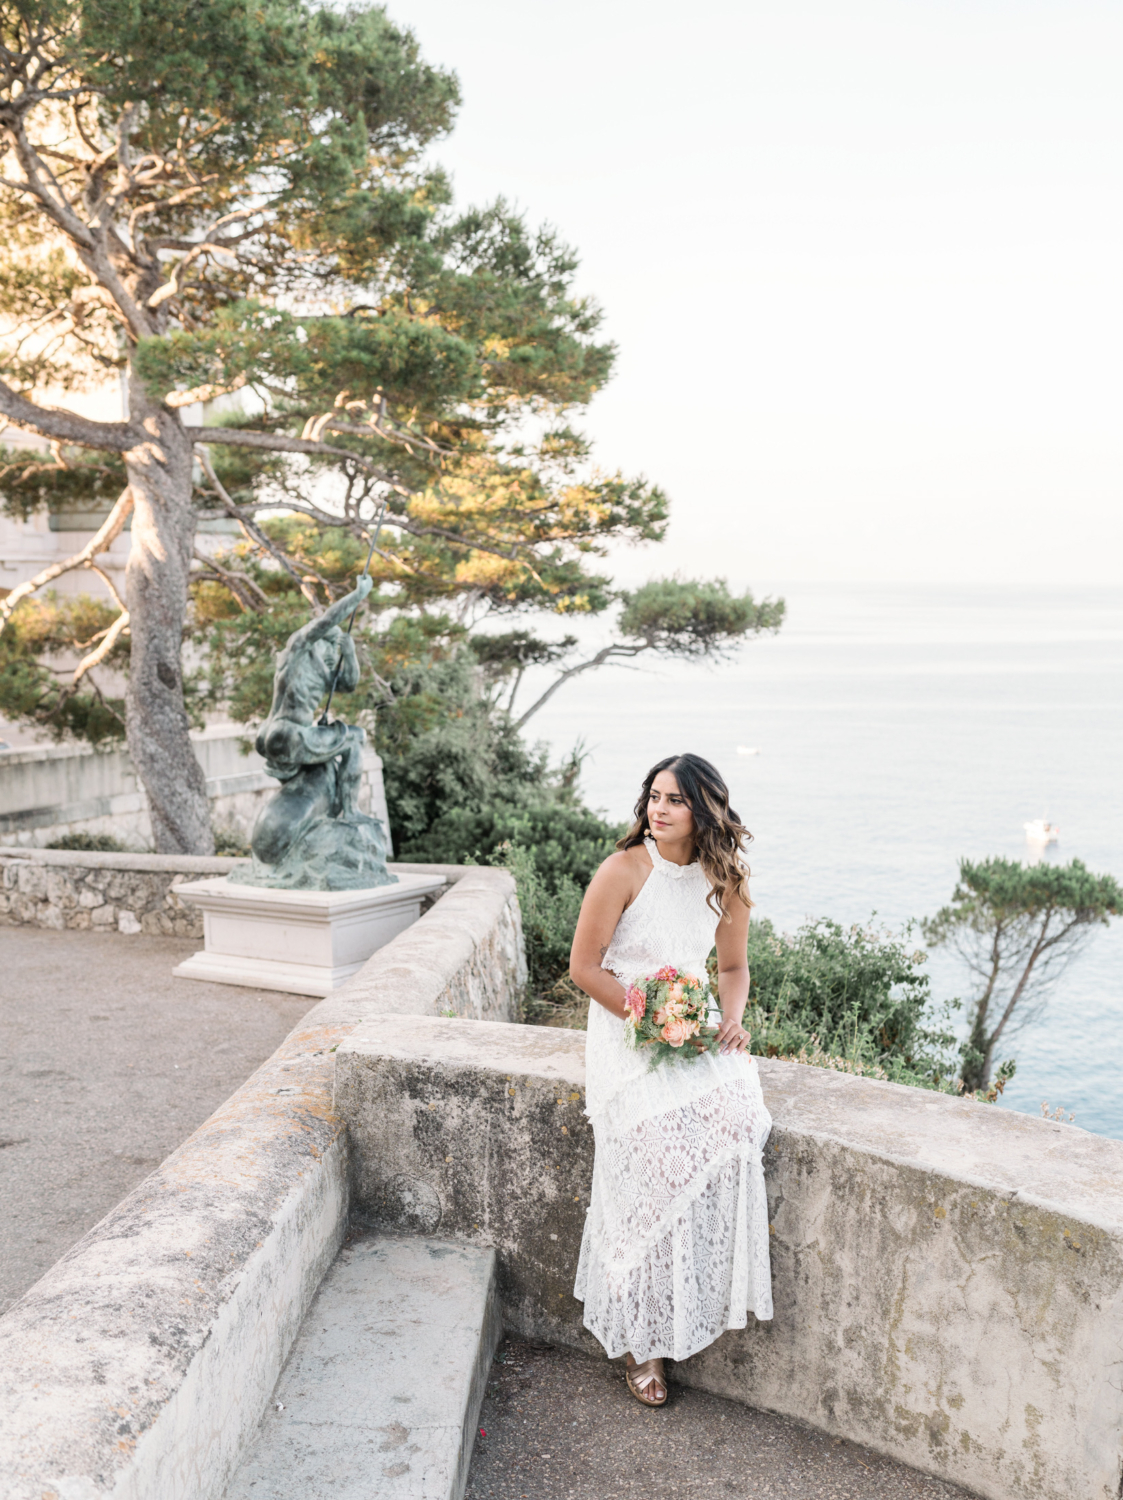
pixel 884 734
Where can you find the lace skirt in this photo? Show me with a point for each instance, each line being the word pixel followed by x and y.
pixel 675 1248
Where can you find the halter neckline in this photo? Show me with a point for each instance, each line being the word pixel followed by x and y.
pixel 668 866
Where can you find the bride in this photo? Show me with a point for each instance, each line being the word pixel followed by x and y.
pixel 675 1248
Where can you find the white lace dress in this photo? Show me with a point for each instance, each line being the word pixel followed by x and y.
pixel 675 1248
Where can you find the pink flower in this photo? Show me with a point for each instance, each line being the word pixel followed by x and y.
pixel 635 1001
pixel 676 1031
pixel 675 993
pixel 661 1016
pixel 668 972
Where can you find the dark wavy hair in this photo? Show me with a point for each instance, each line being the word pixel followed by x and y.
pixel 719 835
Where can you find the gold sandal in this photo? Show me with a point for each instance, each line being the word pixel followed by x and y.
pixel 640 1377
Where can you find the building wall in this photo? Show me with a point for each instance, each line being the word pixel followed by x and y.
pixel 52 790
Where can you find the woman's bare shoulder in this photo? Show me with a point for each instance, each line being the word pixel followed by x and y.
pixel 623 872
pixel 631 861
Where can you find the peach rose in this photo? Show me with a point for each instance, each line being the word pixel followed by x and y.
pixel 661 1016
pixel 676 1031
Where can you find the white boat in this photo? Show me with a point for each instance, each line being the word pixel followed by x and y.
pixel 747 750
pixel 1041 832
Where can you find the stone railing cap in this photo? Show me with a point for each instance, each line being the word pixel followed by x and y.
pixel 551 1052
pixel 90 859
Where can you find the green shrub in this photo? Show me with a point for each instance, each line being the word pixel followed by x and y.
pixel 32 693
pixel 849 998
pixel 852 999
pixel 92 843
pixel 549 905
pixel 564 843
pixel 231 841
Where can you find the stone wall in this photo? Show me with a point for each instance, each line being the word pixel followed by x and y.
pixel 947 1276
pixel 140 1365
pixel 62 888
pixel 130 893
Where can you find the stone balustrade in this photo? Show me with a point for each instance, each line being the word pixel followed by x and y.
pixel 140 1365
pixel 947 1275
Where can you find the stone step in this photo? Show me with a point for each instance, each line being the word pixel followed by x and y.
pixel 381 1392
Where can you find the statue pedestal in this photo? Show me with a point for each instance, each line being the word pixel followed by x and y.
pixel 301 942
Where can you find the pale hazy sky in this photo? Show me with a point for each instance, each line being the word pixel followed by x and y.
pixel 863 262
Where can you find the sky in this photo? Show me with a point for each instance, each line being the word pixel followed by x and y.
pixel 862 262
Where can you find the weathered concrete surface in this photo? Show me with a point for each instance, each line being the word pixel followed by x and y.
pixel 465 957
pixel 948 1278
pixel 175 864
pixel 477 1131
pixel 948 1283
pixel 106 1066
pixel 561 1426
pixel 382 1389
pixel 139 1365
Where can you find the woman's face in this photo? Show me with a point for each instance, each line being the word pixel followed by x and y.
pixel 668 812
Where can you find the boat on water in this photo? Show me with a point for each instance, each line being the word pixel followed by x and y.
pixel 1041 832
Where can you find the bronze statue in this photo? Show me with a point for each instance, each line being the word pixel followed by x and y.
pixel 311 835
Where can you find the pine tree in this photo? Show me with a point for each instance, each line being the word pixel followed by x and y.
pixel 232 196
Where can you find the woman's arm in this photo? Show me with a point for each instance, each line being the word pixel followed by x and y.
pixel 733 976
pixel 611 889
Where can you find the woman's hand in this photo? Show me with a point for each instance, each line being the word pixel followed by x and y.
pixel 731 1036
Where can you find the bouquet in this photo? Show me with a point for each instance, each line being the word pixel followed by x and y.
pixel 667 1014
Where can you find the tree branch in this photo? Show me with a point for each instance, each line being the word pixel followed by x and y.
pixel 58 209
pixel 101 541
pixel 278 442
pixel 171 287
pixel 101 652
pixel 603 655
pixel 241 585
pixel 66 426
pixel 328 422
pixel 110 585
pixel 176 399
pixel 255 534
pixel 1042 946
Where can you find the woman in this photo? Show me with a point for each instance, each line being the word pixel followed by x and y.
pixel 675 1248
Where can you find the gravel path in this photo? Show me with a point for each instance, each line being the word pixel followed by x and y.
pixel 107 1063
pixel 561 1426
